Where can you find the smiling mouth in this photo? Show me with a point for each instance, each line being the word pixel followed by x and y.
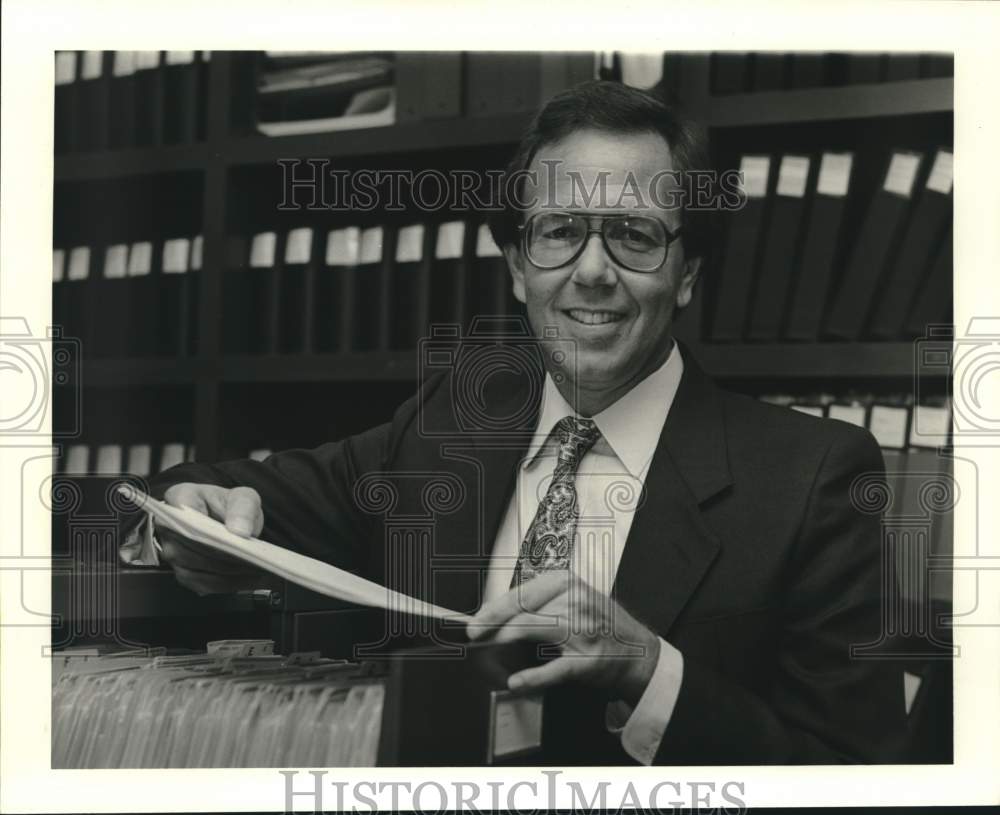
pixel 588 317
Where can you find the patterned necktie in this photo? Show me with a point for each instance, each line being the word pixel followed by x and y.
pixel 548 544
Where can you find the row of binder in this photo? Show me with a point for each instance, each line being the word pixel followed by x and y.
pixel 215 710
pixel 359 289
pixel 120 99
pixel 142 459
pixel 897 423
pixel 129 300
pixel 791 270
pixel 742 72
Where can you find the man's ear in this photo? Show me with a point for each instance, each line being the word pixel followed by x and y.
pixel 515 263
pixel 692 268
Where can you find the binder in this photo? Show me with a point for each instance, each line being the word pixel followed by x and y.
pixel 143 294
pixel 931 217
pixel 109 459
pixel 295 293
pixel 172 309
pixel 769 71
pixel 64 136
pixel 500 82
pixel 931 425
pixel 171 454
pixel 739 260
pixel 779 248
pixel 731 74
pixel 180 97
pixel 410 285
pixel 259 454
pixel 122 106
pixel 148 99
pixel 643 71
pixel 250 305
pixel 334 292
pixel 59 290
pixel 864 68
pixel 561 70
pixel 428 84
pixel 877 237
pixel 112 301
pixel 76 297
pixel 77 460
pixel 937 65
pixel 902 66
pixel 808 70
pixel 192 294
pixel 139 460
pixel 820 247
pixel 448 275
pixel 264 279
pixel 933 304
pixel 889 424
pixel 92 101
pixel 489 283
pixel 373 289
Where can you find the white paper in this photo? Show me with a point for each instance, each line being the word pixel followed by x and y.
pixel 315 575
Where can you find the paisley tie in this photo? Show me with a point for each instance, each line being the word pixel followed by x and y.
pixel 548 543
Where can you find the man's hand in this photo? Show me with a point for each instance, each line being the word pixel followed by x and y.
pixel 197 566
pixel 601 644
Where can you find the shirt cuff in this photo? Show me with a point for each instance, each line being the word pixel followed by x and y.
pixel 642 729
pixel 141 548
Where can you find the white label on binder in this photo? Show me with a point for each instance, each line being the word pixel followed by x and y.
pixel 140 259
pixel 486 247
pixel 171 455
pixel 109 459
pixel 91 67
pixel 79 263
pixel 144 60
pixel 941 173
pixel 190 453
pixel 410 243
pixel 515 723
pixel 116 261
pixel 58 264
pixel 65 67
pixel 911 684
pixel 792 176
pixel 754 170
pixel 260 455
pixel 811 410
pixel 343 246
pixel 76 459
pixel 888 426
pixel 196 245
pixel 262 250
pixel 902 173
pixel 834 174
pixel 931 424
pixel 641 70
pixel 206 56
pixel 140 458
pixel 450 238
pixel 175 255
pixel 298 247
pixel 371 245
pixel 124 63
pixel 852 414
pixel 179 57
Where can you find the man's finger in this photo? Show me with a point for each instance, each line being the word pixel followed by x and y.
pixel 528 597
pixel 187 495
pixel 551 673
pixel 243 514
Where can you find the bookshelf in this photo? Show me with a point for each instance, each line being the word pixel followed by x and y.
pixel 219 184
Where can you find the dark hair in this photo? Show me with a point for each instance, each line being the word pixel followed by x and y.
pixel 613 108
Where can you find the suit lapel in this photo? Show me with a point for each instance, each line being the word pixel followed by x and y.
pixel 670 548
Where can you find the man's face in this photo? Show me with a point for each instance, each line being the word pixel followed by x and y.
pixel 619 320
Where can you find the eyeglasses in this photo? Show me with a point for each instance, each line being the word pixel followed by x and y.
pixel 555 239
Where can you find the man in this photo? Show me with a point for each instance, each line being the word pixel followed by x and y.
pixel 708 618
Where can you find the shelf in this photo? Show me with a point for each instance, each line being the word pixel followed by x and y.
pixel 825 104
pixel 125 372
pixel 849 360
pixel 373 366
pixel 431 134
pixel 123 163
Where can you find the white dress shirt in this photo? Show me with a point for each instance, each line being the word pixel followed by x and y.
pixel 609 484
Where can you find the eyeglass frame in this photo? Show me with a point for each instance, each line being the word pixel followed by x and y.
pixel 671 235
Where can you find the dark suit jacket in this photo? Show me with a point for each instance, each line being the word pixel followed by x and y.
pixel 746 554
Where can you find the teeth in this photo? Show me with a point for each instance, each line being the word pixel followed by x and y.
pixel 594 317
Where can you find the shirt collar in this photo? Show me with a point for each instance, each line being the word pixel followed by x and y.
pixel 631 427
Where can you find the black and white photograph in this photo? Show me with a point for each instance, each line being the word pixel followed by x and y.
pixel 517 409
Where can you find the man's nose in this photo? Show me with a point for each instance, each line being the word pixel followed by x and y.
pixel 594 267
